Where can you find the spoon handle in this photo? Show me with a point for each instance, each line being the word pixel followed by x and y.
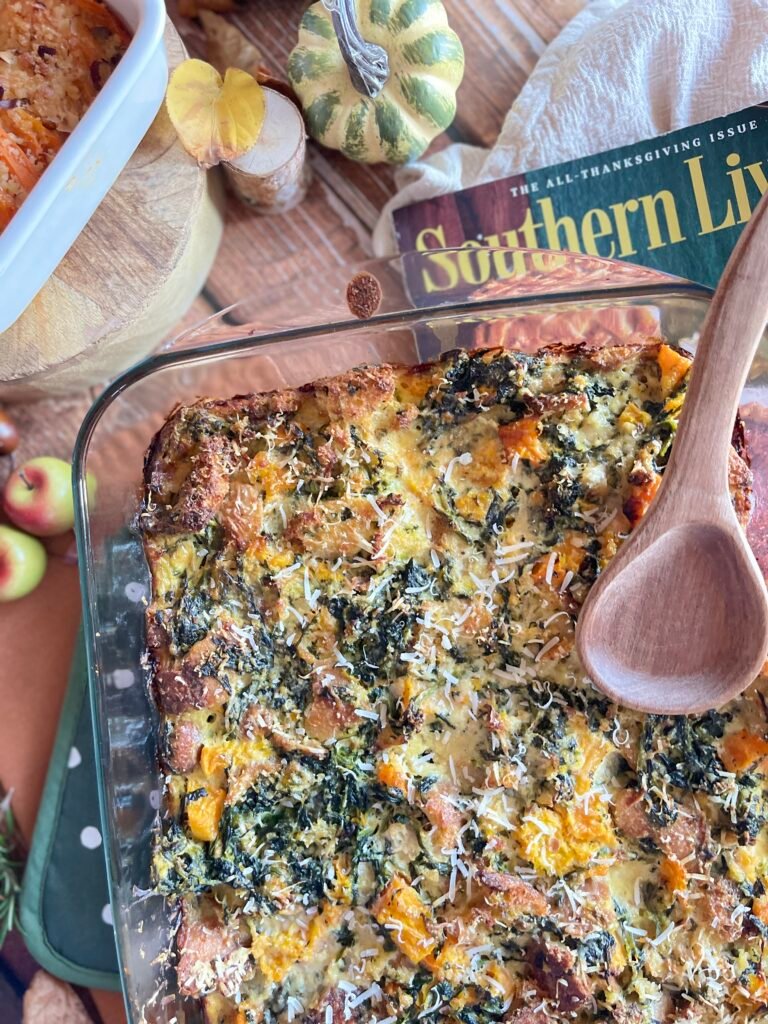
pixel 729 338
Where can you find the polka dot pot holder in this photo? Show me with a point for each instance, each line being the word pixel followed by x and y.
pixel 65 913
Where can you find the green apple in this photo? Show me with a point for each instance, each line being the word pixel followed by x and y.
pixel 38 496
pixel 22 563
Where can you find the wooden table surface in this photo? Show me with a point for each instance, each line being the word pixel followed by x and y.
pixel 316 242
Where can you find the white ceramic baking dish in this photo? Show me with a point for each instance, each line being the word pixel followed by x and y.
pixel 59 206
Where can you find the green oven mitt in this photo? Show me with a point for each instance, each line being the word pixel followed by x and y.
pixel 66 918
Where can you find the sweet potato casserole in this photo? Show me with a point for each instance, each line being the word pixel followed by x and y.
pixel 391 795
pixel 55 55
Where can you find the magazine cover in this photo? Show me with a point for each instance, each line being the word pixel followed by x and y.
pixel 675 204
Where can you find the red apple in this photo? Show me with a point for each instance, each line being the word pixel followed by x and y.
pixel 9 435
pixel 38 496
pixel 22 563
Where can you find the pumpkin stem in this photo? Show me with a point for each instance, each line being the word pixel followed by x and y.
pixel 368 63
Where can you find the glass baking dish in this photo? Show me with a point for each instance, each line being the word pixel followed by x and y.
pixel 546 297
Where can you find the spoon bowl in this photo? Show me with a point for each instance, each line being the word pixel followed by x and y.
pixel 678 623
pixel 700 669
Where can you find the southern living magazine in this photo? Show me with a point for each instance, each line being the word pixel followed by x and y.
pixel 676 204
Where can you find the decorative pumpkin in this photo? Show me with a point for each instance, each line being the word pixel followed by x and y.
pixel 377 79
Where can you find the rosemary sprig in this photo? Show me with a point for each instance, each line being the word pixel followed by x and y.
pixel 10 869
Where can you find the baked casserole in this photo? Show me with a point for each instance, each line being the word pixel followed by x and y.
pixel 55 57
pixel 391 795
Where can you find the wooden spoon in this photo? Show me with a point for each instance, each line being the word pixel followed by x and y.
pixel 678 623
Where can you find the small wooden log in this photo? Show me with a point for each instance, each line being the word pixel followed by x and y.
pixel 274 175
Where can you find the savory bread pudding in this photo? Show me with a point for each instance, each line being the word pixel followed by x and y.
pixel 55 55
pixel 391 794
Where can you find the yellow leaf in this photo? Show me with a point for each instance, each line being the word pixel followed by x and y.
pixel 215 119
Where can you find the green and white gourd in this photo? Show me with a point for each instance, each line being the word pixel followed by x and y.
pixel 377 78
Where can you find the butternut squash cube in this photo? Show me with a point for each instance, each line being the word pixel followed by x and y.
pixel 639 499
pixel 521 437
pixel 213 759
pixel 451 963
pixel 557 840
pixel 204 814
pixel 400 909
pixel 633 419
pixel 742 748
pixel 392 775
pixel 672 367
pixel 673 875
pixel 568 558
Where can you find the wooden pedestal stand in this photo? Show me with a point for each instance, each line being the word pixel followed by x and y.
pixel 129 277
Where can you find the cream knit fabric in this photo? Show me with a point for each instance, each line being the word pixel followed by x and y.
pixel 619 72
